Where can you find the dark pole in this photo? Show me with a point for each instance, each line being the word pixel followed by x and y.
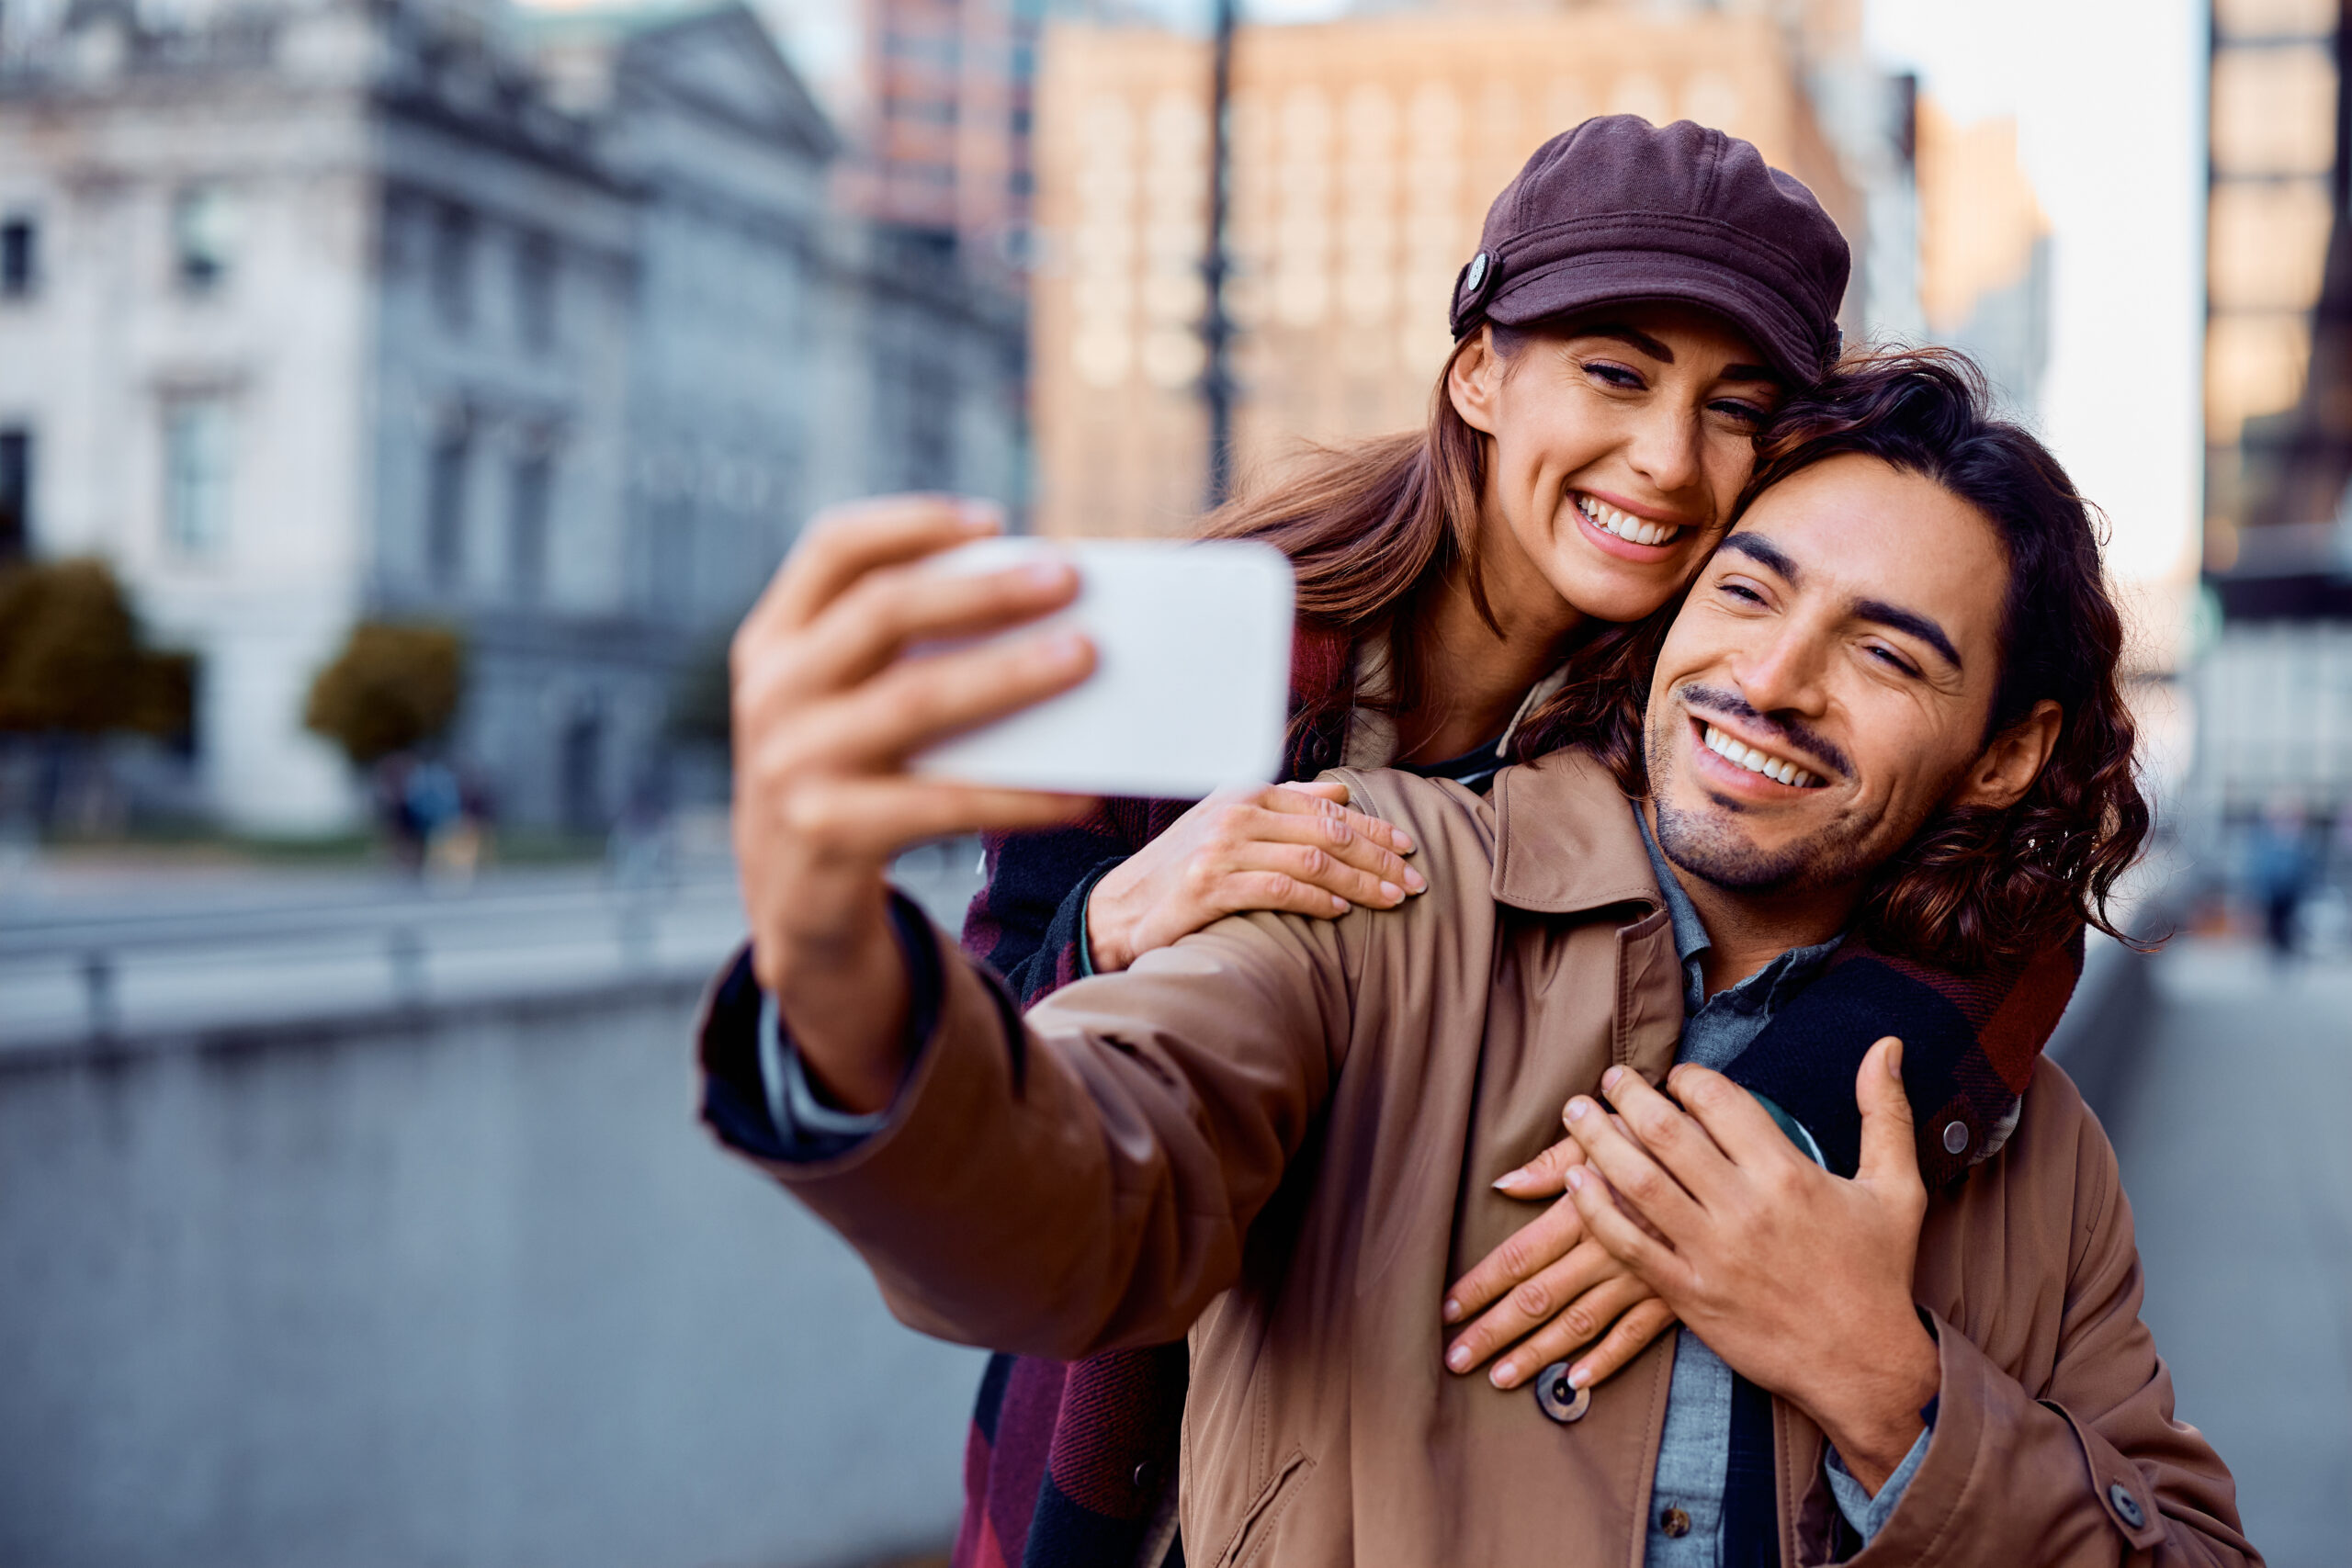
pixel 1216 329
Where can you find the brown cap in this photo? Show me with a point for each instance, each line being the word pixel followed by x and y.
pixel 1619 211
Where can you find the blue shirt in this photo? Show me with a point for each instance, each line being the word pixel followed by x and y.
pixel 1694 1449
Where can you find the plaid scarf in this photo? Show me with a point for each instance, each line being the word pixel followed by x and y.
pixel 1073 1464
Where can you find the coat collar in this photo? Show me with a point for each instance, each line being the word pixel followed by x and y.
pixel 1565 841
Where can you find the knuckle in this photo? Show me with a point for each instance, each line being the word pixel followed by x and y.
pixel 1313 862
pixel 1579 1321
pixel 1532 1299
pixel 1516 1257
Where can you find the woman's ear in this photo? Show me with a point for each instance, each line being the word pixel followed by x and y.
pixel 1473 382
pixel 2015 758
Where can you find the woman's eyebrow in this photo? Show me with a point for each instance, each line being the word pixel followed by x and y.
pixel 1633 338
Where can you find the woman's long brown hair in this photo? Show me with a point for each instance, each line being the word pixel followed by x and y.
pixel 1373 528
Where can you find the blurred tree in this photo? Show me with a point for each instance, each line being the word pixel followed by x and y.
pixel 70 661
pixel 391 688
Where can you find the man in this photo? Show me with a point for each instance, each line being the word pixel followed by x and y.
pixel 1888 706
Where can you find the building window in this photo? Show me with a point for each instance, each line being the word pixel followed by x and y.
pixel 453 267
pixel 16 494
pixel 535 292
pixel 20 257
pixel 198 434
pixel 444 509
pixel 203 237
pixel 527 526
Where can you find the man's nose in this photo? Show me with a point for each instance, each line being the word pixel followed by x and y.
pixel 1664 449
pixel 1784 674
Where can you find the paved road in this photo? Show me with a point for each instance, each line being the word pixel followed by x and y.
pixel 2235 1137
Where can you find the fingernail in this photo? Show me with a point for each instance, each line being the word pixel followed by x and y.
pixel 1894 1061
pixel 1510 1181
pixel 979 516
pixel 1579 1375
pixel 1609 1080
pixel 1338 905
pixel 1404 841
pixel 1416 881
pixel 1452 1310
pixel 1578 1108
pixel 1458 1358
pixel 1391 892
pixel 1504 1372
pixel 1051 573
pixel 1576 1178
pixel 1066 648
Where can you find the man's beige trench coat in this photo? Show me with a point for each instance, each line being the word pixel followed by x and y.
pixel 1278 1135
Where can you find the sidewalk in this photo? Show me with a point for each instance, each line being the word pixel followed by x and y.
pixel 2231 1126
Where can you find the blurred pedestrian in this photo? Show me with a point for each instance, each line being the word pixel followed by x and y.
pixel 2280 871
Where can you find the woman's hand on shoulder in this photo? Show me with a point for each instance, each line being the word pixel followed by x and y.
pixel 1549 1290
pixel 1294 847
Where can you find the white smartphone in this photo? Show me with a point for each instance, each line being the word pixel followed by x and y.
pixel 1191 690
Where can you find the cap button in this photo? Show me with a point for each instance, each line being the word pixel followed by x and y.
pixel 1955 1137
pixel 1475 277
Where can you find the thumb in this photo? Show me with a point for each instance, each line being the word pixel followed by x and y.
pixel 1325 789
pixel 1888 1152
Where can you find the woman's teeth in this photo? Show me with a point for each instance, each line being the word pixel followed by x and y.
pixel 1624 524
pixel 1755 762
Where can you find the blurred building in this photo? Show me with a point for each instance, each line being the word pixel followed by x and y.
pixel 1983 252
pixel 944 138
pixel 1365 153
pixel 2275 684
pixel 543 327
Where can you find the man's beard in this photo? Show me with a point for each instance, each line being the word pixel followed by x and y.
pixel 1710 846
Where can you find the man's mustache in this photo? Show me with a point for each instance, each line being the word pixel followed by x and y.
pixel 1816 748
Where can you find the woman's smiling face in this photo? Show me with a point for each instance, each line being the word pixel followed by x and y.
pixel 1617 443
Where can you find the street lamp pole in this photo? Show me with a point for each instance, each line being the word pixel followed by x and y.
pixel 1216 327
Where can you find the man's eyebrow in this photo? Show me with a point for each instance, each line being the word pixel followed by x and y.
pixel 1911 621
pixel 1765 553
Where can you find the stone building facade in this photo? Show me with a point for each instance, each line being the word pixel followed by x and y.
pixel 539 324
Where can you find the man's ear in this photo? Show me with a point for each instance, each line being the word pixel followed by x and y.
pixel 2000 777
pixel 1474 381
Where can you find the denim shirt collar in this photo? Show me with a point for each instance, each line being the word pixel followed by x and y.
pixel 1763 991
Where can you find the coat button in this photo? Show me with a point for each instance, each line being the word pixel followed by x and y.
pixel 1955 1137
pixel 1560 1400
pixel 1147 1476
pixel 2127 1506
pixel 1675 1523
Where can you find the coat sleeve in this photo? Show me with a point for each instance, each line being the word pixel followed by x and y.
pixel 1084 1181
pixel 2090 1469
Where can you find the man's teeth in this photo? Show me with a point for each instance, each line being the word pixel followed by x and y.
pixel 1755 762
pixel 1624 524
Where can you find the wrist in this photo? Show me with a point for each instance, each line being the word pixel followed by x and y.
pixel 842 996
pixel 1108 930
pixel 1880 1410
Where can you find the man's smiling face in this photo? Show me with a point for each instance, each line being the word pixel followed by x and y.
pixel 1827 684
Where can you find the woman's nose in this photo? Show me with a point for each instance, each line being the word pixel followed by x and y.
pixel 1666 449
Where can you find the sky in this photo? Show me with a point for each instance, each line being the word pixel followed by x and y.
pixel 2110 104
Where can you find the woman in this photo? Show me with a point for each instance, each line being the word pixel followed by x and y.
pixel 1471 592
